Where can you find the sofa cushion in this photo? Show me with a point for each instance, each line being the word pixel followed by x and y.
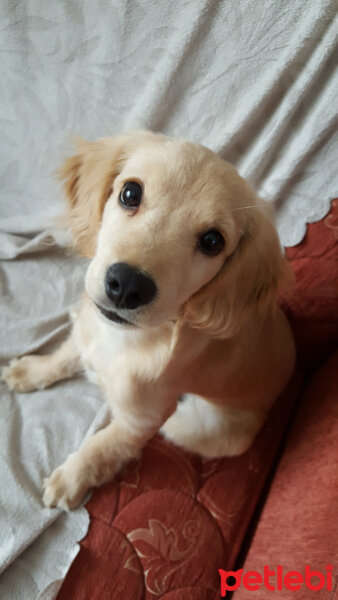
pixel 299 523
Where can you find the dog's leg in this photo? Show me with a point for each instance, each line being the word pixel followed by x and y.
pixel 137 418
pixel 33 372
pixel 210 430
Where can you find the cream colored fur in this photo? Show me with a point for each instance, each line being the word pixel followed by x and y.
pixel 213 332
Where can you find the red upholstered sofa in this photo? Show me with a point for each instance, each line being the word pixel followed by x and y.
pixel 172 520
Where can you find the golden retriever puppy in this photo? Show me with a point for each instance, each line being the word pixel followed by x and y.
pixel 180 299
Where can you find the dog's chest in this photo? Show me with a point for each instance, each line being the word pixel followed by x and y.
pixel 99 344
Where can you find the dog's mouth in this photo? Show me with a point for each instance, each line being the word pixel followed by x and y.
pixel 112 316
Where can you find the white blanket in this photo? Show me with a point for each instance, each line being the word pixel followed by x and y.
pixel 254 80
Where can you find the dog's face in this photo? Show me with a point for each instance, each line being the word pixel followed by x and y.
pixel 165 220
pixel 166 230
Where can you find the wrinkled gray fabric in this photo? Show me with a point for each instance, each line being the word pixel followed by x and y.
pixel 38 282
pixel 256 81
pixel 253 80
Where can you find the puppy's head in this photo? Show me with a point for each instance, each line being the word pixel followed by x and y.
pixel 173 232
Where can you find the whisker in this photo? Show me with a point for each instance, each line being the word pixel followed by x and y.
pixel 245 207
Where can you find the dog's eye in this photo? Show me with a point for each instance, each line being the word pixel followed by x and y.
pixel 131 194
pixel 211 242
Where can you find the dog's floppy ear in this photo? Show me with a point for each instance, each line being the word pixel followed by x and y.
pixel 249 280
pixel 88 179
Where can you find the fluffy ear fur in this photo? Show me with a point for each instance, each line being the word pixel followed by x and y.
pixel 88 179
pixel 249 280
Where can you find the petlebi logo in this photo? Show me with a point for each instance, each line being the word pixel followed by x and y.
pixel 276 580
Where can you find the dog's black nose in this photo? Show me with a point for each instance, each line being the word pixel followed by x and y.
pixel 128 287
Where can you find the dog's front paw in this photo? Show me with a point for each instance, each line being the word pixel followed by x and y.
pixel 65 488
pixel 25 374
